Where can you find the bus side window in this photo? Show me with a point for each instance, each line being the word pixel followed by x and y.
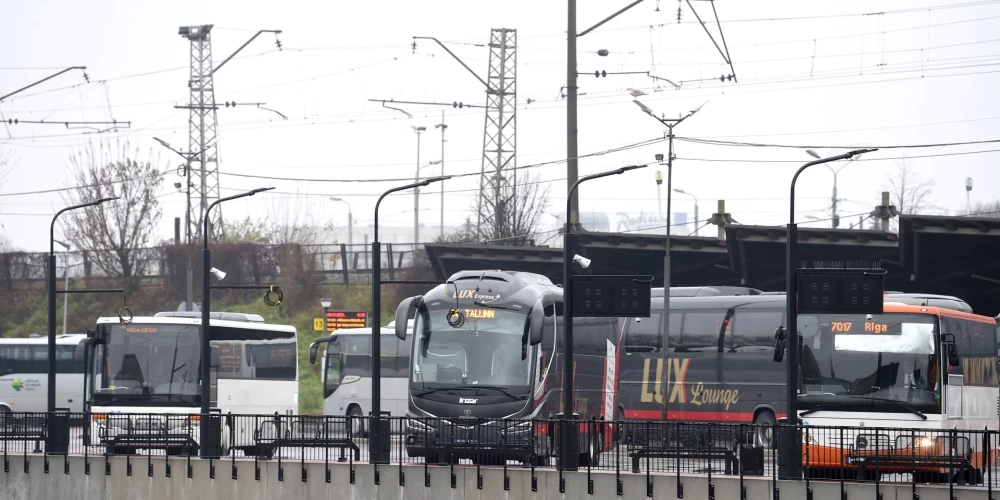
pixel 389 347
pixel 752 329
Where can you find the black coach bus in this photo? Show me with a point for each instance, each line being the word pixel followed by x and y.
pixel 720 362
pixel 487 346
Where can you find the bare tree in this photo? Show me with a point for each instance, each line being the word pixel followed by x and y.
pixel 909 190
pixel 990 210
pixel 510 214
pixel 114 234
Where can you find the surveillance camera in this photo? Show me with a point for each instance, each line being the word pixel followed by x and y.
pixel 659 157
pixel 581 261
pixel 177 185
pixel 219 275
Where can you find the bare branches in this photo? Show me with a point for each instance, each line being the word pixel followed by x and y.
pixel 989 210
pixel 114 234
pixel 511 215
pixel 910 191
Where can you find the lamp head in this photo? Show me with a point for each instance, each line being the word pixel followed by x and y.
pixel 644 108
pixel 326 302
pixel 102 200
pixel 679 190
pixel 812 153
pixel 260 190
pixel 162 142
pixel 581 261
pixel 219 275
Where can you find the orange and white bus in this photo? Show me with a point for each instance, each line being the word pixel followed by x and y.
pixel 899 392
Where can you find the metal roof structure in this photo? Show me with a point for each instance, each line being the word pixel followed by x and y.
pixel 931 254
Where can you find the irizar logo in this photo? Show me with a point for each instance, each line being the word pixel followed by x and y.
pixel 468 401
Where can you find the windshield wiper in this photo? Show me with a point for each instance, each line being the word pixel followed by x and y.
pixel 490 387
pixel 431 391
pixel 833 406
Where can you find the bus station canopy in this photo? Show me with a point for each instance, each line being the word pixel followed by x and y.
pixel 930 254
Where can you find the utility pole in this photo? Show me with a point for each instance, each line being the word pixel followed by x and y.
pixel 443 127
pixel 670 123
pixel 416 192
pixel 499 134
pixel 203 128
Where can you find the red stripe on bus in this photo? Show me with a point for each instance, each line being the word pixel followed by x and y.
pixel 695 416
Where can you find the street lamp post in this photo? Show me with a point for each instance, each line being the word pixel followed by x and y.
pixel 51 393
pixel 376 454
pixel 791 442
pixel 65 286
pixel 670 123
pixel 569 447
pixel 189 275
pixel 325 303
pixel 835 219
pixel 350 221
pixel 209 440
pixel 416 191
pixel 681 191
pixel 443 127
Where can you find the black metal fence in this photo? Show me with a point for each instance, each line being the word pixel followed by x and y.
pixel 841 454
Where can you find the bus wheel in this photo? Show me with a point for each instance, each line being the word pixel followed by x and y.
pixel 763 424
pixel 357 422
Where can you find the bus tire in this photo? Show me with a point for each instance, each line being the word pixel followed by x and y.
pixel 357 421
pixel 763 423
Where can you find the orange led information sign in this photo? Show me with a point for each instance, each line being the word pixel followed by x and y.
pixel 480 313
pixel 857 327
pixel 336 320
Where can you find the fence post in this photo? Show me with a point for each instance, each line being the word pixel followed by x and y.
pixel 392 268
pixel 343 261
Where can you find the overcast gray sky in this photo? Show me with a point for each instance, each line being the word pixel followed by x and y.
pixel 810 73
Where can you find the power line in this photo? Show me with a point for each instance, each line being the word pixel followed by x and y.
pixel 716 142
pixel 71 188
pixel 467 174
pixel 740 160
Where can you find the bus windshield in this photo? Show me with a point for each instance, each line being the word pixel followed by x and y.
pixel 143 363
pixel 485 350
pixel 884 361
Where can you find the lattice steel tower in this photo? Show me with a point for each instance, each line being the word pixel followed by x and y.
pixel 498 179
pixel 203 129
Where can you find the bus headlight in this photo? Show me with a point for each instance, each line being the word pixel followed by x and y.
pixel 923 442
pixel 417 425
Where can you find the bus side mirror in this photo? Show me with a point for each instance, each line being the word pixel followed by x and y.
pixel 81 350
pixel 314 347
pixel 536 322
pixel 779 344
pixel 406 308
pixel 948 339
pixel 213 358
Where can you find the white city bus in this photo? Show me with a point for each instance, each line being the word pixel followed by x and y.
pixel 24 365
pixel 909 384
pixel 347 374
pixel 152 366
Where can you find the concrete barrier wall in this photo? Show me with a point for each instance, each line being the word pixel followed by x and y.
pixel 119 485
